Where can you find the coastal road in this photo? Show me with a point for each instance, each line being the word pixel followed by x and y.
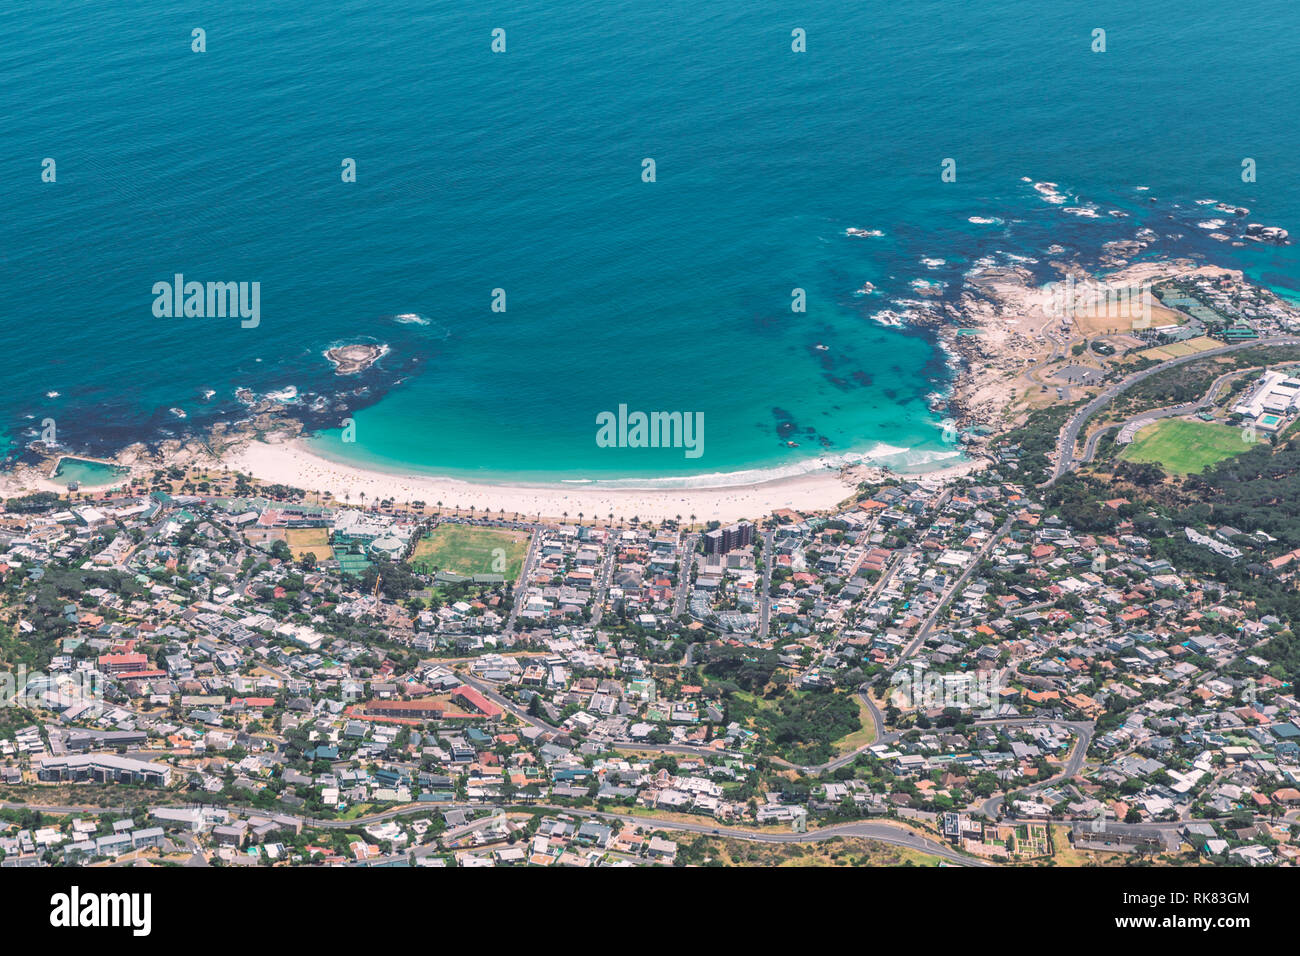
pixel 1172 411
pixel 1069 436
pixel 1048 331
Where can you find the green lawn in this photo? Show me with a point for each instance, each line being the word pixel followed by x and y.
pixel 861 737
pixel 310 540
pixel 1184 448
pixel 464 550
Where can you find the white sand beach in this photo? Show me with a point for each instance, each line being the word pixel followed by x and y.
pixel 293 463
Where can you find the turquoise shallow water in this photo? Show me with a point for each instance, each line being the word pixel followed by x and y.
pixel 522 171
pixel 88 474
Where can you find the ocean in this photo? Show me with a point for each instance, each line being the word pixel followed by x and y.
pixel 522 171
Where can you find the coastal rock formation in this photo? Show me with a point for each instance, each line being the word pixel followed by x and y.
pixel 269 424
pixel 1261 233
pixel 1123 248
pixel 132 453
pixel 351 359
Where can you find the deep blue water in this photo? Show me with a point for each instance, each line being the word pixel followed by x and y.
pixel 522 171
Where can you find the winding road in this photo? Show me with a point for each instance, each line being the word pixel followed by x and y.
pixel 1069 436
pixel 1084 730
pixel 895 834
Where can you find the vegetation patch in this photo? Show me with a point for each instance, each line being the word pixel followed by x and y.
pixel 836 851
pixel 461 549
pixel 1183 447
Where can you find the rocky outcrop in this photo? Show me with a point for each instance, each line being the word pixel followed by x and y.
pixel 351 359
pixel 1270 234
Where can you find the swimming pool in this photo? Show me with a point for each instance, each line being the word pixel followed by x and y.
pixel 87 473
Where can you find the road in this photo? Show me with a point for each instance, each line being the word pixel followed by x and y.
pixel 765 596
pixel 915 644
pixel 1173 411
pixel 688 750
pixel 878 737
pixel 517 597
pixel 490 693
pixel 606 576
pixel 164 515
pixel 1066 441
pixel 1073 764
pixel 684 578
pixel 894 834
pixel 197 856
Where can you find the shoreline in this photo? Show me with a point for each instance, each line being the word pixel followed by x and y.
pixel 995 335
pixel 280 454
pixel 292 463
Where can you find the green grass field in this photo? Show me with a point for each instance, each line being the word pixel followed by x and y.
pixel 313 540
pixel 1184 448
pixel 463 550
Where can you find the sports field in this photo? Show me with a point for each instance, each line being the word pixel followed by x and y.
pixel 1162 353
pixel 314 540
pixel 465 550
pixel 1102 319
pixel 1184 448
